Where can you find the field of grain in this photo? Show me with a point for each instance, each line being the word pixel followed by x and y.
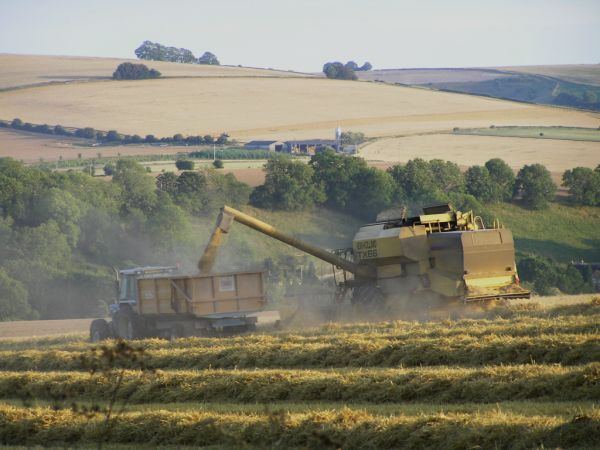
pixel 516 377
pixel 556 155
pixel 23 70
pixel 279 108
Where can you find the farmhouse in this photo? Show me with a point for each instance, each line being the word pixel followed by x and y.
pixel 309 147
pixel 274 146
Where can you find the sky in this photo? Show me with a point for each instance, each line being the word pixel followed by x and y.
pixel 303 35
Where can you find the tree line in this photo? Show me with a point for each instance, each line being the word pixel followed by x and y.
pixel 114 137
pixel 158 52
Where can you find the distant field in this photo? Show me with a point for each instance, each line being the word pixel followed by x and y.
pixel 19 70
pixel 563 133
pixel 425 76
pixel 279 108
pixel 467 150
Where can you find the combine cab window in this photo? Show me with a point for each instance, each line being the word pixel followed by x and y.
pixel 127 288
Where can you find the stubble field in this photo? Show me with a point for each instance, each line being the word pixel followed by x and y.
pixel 519 377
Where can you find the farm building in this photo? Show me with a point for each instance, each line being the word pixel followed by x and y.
pixel 309 147
pixel 274 146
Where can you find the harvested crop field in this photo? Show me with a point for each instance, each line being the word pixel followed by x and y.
pixel 23 70
pixel 556 155
pixel 262 108
pixel 524 376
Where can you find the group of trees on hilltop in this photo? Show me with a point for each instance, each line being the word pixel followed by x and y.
pixel 158 52
pixel 130 71
pixel 340 71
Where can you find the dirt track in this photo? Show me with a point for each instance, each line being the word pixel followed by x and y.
pixel 29 328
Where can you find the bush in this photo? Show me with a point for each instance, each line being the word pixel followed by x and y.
pixel 109 169
pixel 218 164
pixel 184 164
pixel 88 133
pixel 131 71
pixel 584 185
pixel 208 58
pixel 535 186
pixel 16 124
pixel 59 129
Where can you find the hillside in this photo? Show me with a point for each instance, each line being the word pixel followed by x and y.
pixel 22 70
pixel 251 107
pixel 568 85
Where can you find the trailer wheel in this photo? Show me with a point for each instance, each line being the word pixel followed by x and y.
pixel 99 330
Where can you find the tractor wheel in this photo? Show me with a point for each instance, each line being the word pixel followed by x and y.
pixel 127 325
pixel 99 330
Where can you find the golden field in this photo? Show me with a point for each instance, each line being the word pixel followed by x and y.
pixel 22 70
pixel 516 377
pixel 556 155
pixel 262 108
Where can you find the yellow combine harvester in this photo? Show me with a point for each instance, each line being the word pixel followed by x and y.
pixel 440 256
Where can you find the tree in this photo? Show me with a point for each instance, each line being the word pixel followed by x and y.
pixel 113 136
pixel 584 185
pixel 365 67
pixel 184 164
pixel 352 138
pixel 339 71
pixel 218 163
pixel 137 189
pixel 535 186
pixel 479 184
pixel 289 185
pixel 504 178
pixel 88 133
pixel 447 176
pixel 351 65
pixel 337 174
pixel 131 71
pixel 191 193
pixel 109 169
pixel 158 52
pixel 13 299
pixel 17 124
pixel 417 182
pixel 374 192
pixel 167 182
pixel 208 58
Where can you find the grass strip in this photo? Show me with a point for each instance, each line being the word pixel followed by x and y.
pixel 440 384
pixel 566 349
pixel 344 428
pixel 337 332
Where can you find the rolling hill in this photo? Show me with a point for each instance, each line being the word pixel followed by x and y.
pixel 254 107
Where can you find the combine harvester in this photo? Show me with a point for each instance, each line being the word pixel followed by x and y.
pixel 440 257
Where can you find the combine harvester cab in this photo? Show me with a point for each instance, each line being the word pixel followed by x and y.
pixel 160 302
